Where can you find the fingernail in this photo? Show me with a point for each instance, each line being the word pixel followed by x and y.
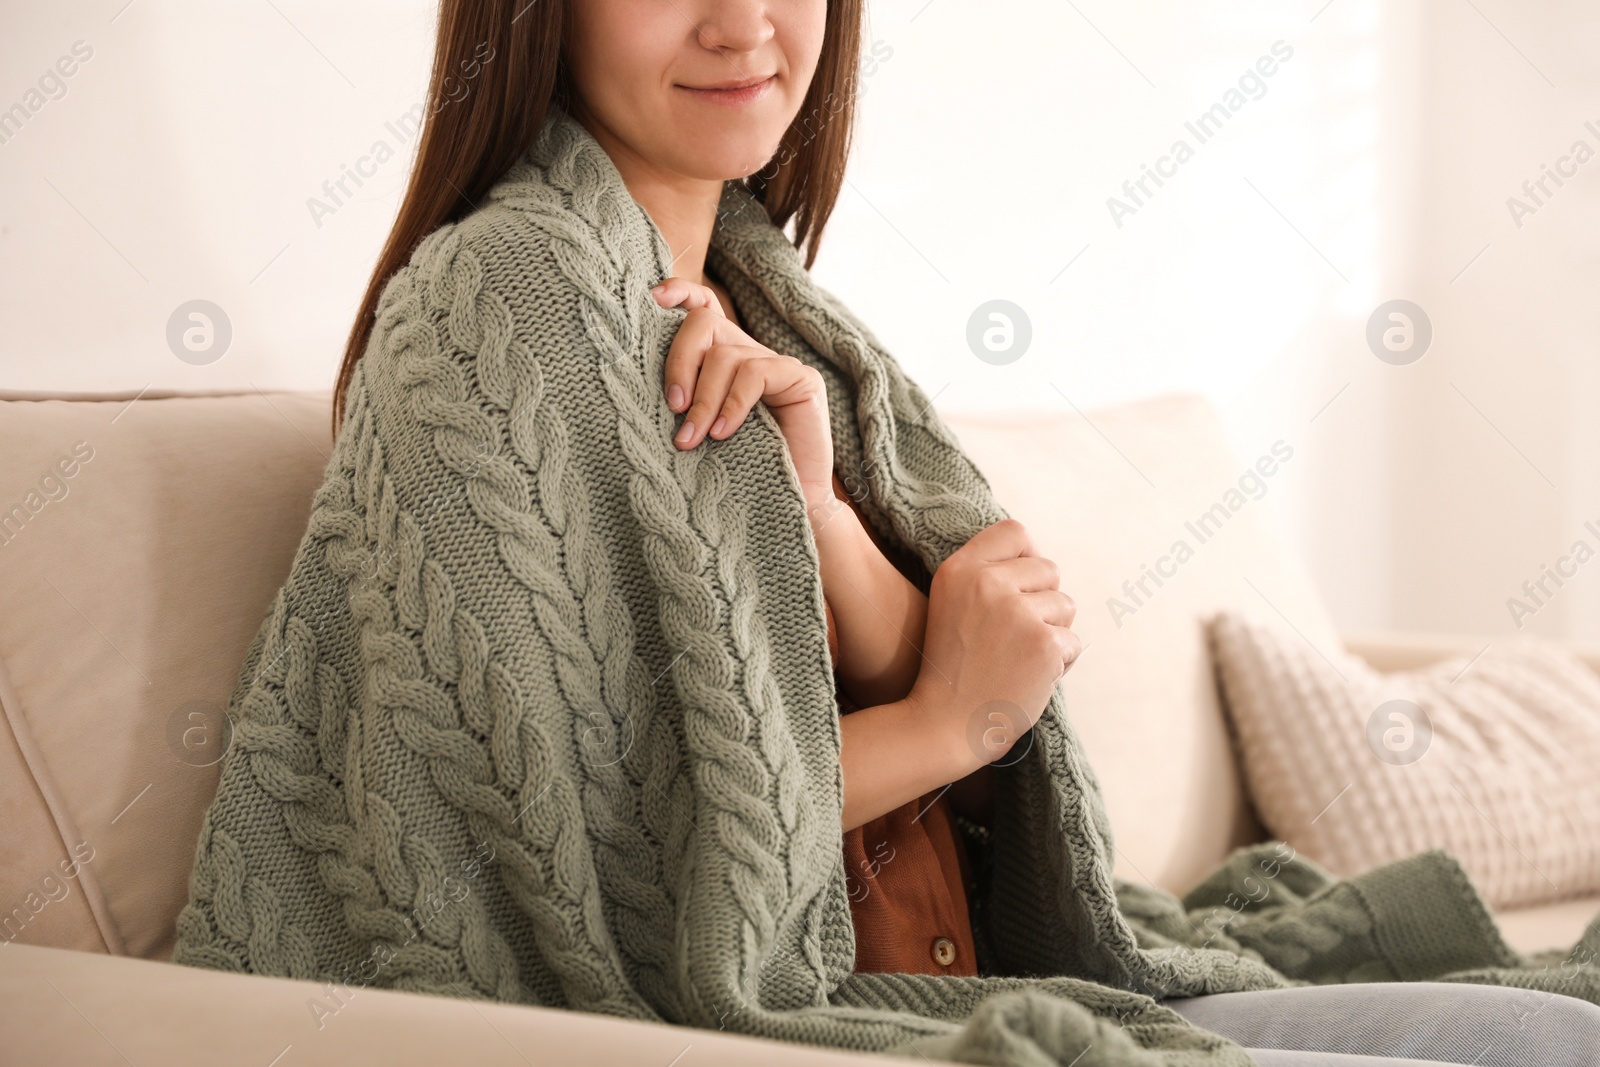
pixel 686 432
pixel 716 427
pixel 675 396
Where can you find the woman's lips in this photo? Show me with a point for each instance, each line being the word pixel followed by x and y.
pixel 733 97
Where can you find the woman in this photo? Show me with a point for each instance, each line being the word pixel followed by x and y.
pixel 569 591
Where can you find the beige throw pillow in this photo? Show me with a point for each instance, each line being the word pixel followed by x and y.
pixel 1494 758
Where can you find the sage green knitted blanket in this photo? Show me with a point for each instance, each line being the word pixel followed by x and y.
pixel 544 712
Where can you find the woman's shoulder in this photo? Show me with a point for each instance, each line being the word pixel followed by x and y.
pixel 541 236
pixel 492 247
pixel 503 275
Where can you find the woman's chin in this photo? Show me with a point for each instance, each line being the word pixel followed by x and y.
pixel 718 159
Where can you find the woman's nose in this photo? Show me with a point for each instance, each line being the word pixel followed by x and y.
pixel 733 26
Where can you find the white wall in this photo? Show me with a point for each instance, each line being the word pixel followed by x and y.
pixel 178 166
pixel 1376 165
pixel 1499 448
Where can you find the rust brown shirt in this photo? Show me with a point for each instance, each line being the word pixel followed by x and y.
pixel 906 871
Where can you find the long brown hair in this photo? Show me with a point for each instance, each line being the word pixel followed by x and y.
pixel 497 67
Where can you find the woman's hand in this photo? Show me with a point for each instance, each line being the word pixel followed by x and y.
pixel 717 372
pixel 997 640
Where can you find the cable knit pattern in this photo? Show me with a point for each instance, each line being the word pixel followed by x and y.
pixel 544 712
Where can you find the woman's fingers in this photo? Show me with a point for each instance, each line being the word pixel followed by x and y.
pixel 1071 649
pixel 1030 573
pixel 1005 539
pixel 1053 606
pixel 700 329
pixel 708 356
pixel 680 292
pixel 718 364
pixel 731 379
pixel 715 373
pixel 753 377
pixel 704 308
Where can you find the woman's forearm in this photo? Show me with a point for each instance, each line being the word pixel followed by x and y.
pixel 892 754
pixel 879 615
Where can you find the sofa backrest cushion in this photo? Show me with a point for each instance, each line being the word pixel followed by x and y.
pixel 141 544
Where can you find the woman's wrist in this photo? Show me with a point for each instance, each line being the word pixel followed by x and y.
pixel 822 505
pixel 948 733
pixel 890 756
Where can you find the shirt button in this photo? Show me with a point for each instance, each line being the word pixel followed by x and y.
pixel 944 951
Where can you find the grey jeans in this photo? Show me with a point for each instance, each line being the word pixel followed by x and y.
pixel 1390 1024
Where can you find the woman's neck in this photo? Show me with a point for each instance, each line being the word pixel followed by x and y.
pixel 724 297
pixel 683 208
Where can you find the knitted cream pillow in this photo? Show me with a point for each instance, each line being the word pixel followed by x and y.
pixel 1495 759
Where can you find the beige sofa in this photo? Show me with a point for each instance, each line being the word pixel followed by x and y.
pixel 142 538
